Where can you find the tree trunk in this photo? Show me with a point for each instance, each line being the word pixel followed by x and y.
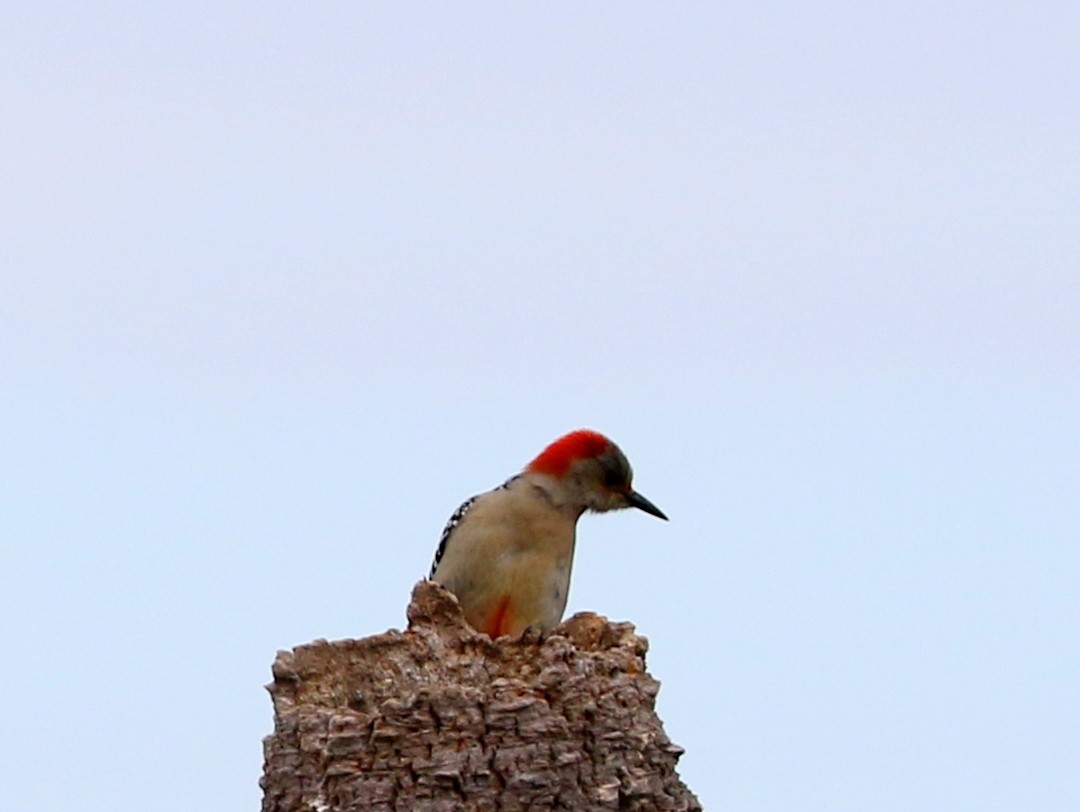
pixel 441 717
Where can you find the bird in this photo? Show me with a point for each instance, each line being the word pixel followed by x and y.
pixel 507 554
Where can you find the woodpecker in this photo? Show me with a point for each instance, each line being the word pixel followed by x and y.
pixel 507 554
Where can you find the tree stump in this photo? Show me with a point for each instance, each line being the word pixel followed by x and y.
pixel 442 717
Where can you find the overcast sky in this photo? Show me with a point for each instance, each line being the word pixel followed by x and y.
pixel 283 284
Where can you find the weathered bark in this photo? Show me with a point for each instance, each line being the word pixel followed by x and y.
pixel 441 717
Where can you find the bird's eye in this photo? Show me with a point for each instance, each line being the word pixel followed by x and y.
pixel 614 479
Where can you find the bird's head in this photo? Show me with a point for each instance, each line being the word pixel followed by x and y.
pixel 593 472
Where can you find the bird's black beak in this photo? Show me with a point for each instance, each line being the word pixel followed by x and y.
pixel 635 499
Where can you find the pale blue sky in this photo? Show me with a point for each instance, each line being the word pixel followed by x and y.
pixel 283 284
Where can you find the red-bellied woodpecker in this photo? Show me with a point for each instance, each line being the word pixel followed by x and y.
pixel 506 554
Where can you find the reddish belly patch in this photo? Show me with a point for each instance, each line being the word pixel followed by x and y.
pixel 500 620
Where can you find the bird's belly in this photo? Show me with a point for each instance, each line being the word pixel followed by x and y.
pixel 531 595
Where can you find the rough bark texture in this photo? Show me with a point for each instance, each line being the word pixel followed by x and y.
pixel 441 717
